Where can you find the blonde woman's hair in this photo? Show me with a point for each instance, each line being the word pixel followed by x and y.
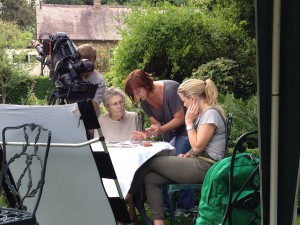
pixel 206 89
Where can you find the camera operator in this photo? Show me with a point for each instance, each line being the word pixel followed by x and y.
pixel 86 51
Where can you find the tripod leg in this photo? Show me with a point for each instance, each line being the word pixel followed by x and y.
pixel 52 98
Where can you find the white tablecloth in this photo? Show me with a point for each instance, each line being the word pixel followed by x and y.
pixel 127 157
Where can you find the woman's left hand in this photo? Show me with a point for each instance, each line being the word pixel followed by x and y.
pixel 191 113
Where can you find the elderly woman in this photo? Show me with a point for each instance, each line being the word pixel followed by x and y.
pixel 117 124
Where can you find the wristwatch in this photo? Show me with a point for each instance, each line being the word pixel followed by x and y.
pixel 189 127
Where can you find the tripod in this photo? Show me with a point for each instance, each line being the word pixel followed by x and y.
pixel 62 95
pixel 72 93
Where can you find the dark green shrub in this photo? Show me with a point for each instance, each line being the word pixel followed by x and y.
pixel 20 92
pixel 43 88
pixel 244 114
pixel 34 90
pixel 228 76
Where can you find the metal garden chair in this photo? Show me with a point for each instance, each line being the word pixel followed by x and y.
pixel 25 151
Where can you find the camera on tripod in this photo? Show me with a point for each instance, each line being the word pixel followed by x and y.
pixel 59 53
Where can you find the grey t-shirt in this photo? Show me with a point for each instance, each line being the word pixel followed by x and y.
pixel 96 78
pixel 216 146
pixel 171 104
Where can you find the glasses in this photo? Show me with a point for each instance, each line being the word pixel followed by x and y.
pixel 116 104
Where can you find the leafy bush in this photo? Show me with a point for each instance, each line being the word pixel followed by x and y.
pixel 20 92
pixel 3 200
pixel 33 91
pixel 172 48
pixel 227 75
pixel 244 114
pixel 43 88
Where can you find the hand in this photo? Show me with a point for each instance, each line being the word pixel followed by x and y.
pixel 192 113
pixel 153 131
pixel 138 135
pixel 35 43
pixel 186 155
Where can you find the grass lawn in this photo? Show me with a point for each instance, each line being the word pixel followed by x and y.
pixel 181 220
pixel 189 220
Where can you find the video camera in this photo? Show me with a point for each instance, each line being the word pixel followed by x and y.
pixel 59 53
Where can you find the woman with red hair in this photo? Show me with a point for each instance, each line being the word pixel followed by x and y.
pixel 164 108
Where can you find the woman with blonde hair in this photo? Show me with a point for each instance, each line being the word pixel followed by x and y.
pixel 206 128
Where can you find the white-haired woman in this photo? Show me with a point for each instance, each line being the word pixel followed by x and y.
pixel 117 124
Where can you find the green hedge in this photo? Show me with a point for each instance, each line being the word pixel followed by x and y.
pixel 19 92
pixel 34 90
pixel 43 88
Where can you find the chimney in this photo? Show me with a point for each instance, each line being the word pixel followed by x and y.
pixel 97 4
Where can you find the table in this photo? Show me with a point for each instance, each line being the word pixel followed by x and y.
pixel 127 157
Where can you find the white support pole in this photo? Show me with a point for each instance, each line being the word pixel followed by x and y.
pixel 296 197
pixel 54 144
pixel 275 111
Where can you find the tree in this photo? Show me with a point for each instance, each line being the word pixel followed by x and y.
pixel 11 74
pixel 240 12
pixel 19 11
pixel 172 42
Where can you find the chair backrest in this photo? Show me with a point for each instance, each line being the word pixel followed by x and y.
pixel 246 141
pixel 26 147
pixel 228 123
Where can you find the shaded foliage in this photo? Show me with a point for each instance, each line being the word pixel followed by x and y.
pixel 228 77
pixel 11 74
pixel 244 113
pixel 12 36
pixel 21 12
pixel 241 12
pixel 24 94
pixel 173 48
pixel 43 87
